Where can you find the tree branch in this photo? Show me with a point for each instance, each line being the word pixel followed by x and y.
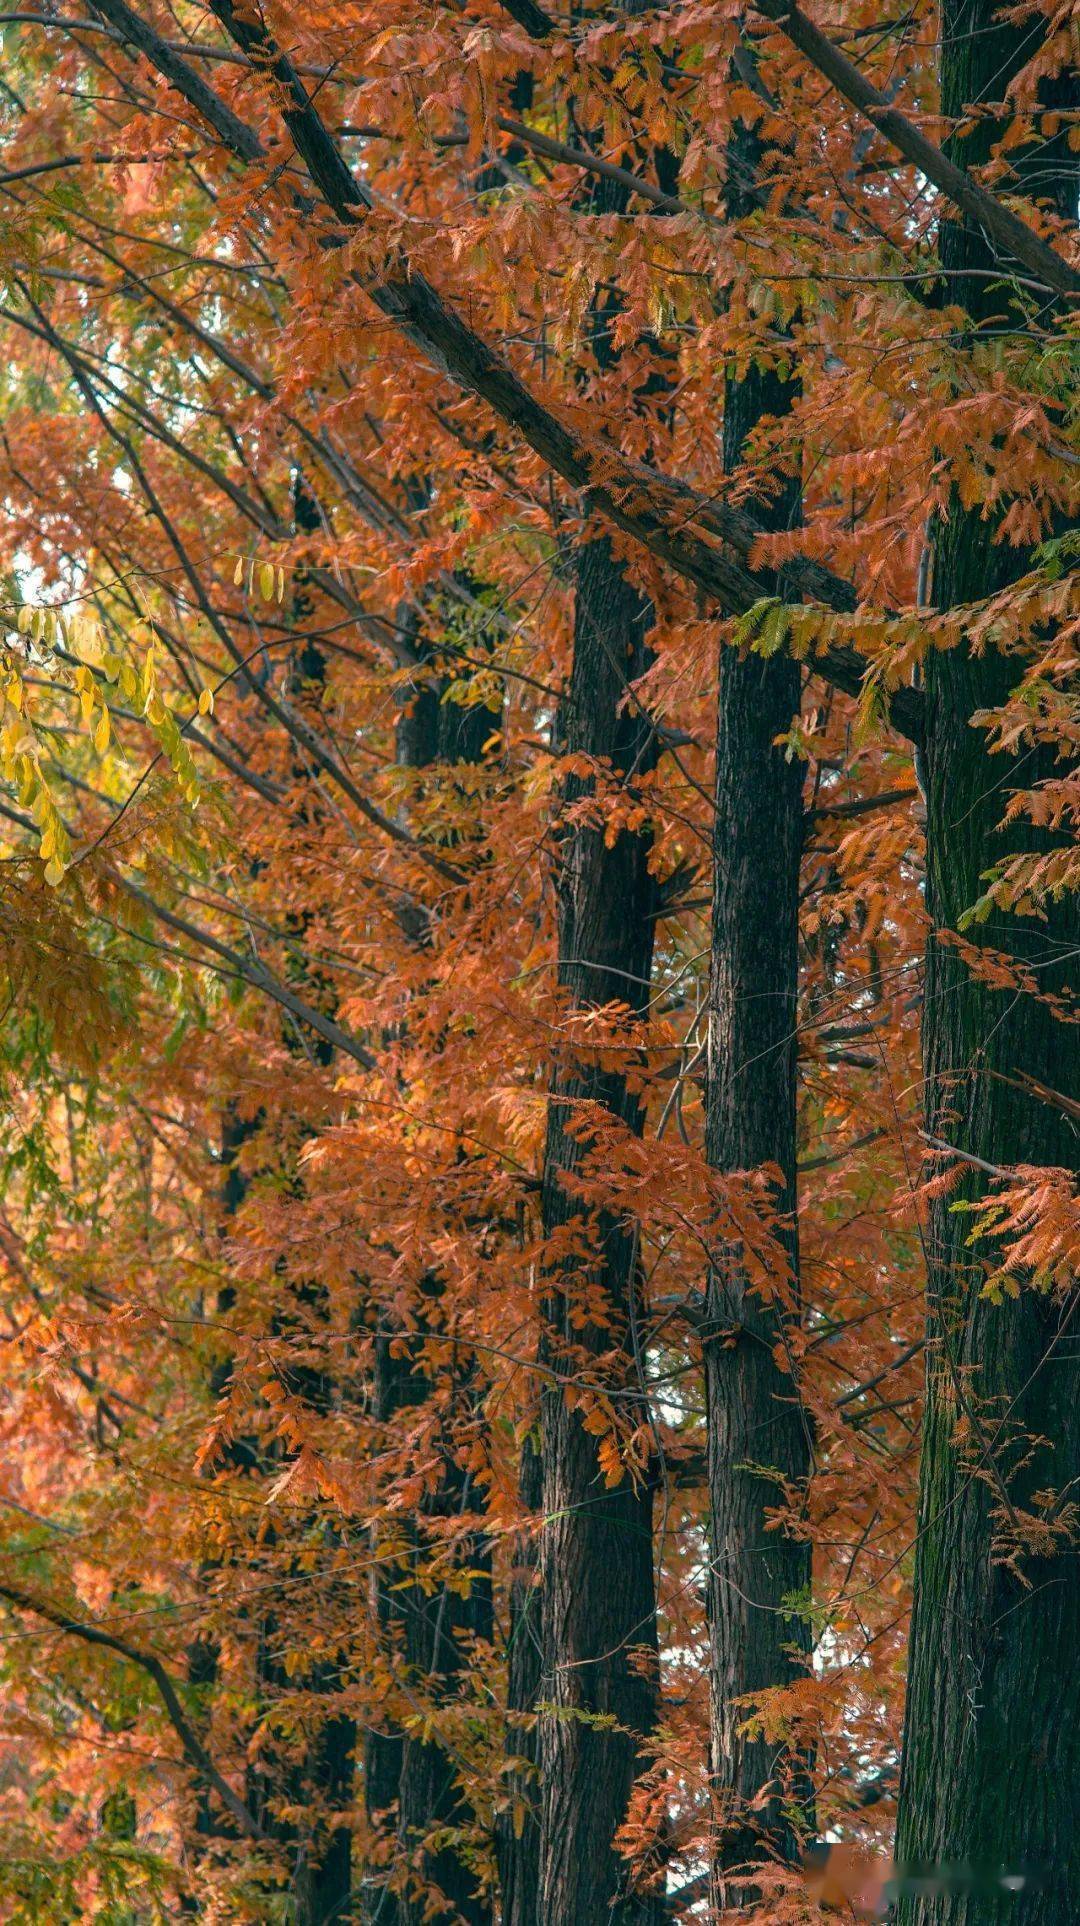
pixel 537 24
pixel 256 974
pixel 237 136
pixel 657 512
pixel 1012 235
pixel 189 1739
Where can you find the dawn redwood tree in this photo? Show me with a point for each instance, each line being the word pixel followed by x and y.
pixel 992 1738
pixel 758 1434
pixel 411 1780
pixel 598 1687
pixel 582 1647
pixel 500 1196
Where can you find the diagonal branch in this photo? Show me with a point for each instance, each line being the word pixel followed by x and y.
pixel 255 973
pixel 294 724
pixel 236 134
pixel 657 512
pixel 537 24
pixel 1012 236
pixel 194 1749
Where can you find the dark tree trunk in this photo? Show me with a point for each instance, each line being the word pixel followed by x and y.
pixel 318 1780
pixel 322 1780
pixel 597 1582
pixel 396 1387
pixel 518 1832
pixel 758 1438
pixel 419 1777
pixel 992 1744
pixel 580 1611
pixel 439 1628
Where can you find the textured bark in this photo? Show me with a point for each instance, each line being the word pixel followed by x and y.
pixel 758 1440
pixel 597 1555
pixel 756 1433
pixel 419 1777
pixel 439 1629
pixel 583 1645
pixel 518 1832
pixel 992 1745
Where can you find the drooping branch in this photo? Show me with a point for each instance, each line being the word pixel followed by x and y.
pixel 294 724
pixel 194 1749
pixel 255 973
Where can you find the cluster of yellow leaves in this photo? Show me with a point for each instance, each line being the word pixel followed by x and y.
pixel 71 653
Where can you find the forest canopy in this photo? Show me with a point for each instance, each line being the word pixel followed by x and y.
pixel 539 952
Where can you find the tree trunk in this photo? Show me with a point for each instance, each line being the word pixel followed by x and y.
pixel 572 1639
pixel 758 1438
pixel 320 1780
pixel 419 1775
pixel 518 1832
pixel 439 1625
pixel 598 1610
pixel 992 1743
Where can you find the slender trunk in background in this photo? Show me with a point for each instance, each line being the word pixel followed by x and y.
pixel 202 1655
pixel 319 1781
pixel 758 1440
pixel 992 1744
pixel 418 1774
pixel 599 1686
pixel 518 1831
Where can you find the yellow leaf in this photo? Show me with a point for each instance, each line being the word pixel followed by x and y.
pixel 266 581
pixel 88 643
pixel 101 732
pixel 206 702
pixel 54 872
pixel 238 572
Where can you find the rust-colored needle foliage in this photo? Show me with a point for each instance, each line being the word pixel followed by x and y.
pixel 538 728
